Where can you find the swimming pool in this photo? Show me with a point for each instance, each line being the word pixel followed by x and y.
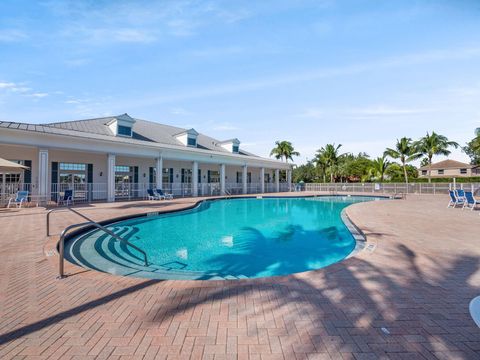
pixel 224 239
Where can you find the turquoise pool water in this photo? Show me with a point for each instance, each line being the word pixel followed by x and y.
pixel 236 238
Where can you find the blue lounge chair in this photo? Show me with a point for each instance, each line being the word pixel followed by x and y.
pixel 19 199
pixel 470 201
pixel 66 199
pixel 455 200
pixel 460 194
pixel 152 196
pixel 165 195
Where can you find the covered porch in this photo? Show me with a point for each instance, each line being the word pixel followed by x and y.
pixel 100 177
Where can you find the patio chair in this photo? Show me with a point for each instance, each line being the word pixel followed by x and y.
pixel 470 201
pixel 20 198
pixel 455 200
pixel 460 194
pixel 152 196
pixel 66 199
pixel 165 195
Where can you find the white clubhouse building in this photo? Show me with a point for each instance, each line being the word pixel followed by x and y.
pixel 121 157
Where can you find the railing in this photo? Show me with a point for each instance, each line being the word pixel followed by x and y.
pixel 388 188
pixel 61 242
pixel 84 193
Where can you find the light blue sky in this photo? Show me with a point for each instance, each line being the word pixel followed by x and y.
pixel 359 72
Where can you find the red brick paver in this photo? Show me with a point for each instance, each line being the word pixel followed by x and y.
pixel 407 299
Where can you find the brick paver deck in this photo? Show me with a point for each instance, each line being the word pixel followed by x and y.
pixel 407 299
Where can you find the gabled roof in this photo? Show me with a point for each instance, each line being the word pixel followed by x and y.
pixel 191 131
pixel 229 141
pixel 143 131
pixel 448 164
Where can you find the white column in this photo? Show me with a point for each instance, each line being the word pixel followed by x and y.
pixel 244 179
pixel 195 178
pixel 111 177
pixel 159 173
pixel 289 179
pixel 277 180
pixel 262 180
pixel 43 172
pixel 222 179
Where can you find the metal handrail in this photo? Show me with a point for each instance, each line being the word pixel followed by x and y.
pixel 61 242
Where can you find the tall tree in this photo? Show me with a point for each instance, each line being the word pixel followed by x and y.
pixel 404 151
pixel 434 144
pixel 379 168
pixel 329 156
pixel 284 150
pixel 472 149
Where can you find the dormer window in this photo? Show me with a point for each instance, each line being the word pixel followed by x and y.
pixel 122 125
pixel 232 145
pixel 191 141
pixel 124 130
pixel 188 137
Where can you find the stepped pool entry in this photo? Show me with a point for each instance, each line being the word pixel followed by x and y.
pixel 224 239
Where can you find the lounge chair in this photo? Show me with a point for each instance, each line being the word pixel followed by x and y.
pixel 460 193
pixel 66 199
pixel 152 196
pixel 19 199
pixel 470 201
pixel 455 200
pixel 165 195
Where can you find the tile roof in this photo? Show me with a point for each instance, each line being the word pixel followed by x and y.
pixel 448 164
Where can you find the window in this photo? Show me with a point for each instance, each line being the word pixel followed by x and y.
pixel 123 168
pixel 441 172
pixel 191 141
pixel 235 148
pixel 463 171
pixel 71 166
pixel 167 176
pixel 124 130
pixel 213 176
pixel 424 172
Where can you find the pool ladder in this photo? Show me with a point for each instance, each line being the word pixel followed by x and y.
pixel 61 242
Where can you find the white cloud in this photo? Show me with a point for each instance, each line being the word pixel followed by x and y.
pixel 7 85
pixel 225 127
pixel 312 113
pixel 14 87
pixel 38 95
pixel 180 111
pixel 12 35
pixel 386 111
pixel 315 74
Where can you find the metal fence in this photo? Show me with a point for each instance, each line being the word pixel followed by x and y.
pixel 91 192
pixel 389 188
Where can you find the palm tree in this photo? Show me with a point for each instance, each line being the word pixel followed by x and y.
pixel 284 150
pixel 404 151
pixel 321 165
pixel 431 145
pixel 476 141
pixel 379 167
pixel 329 156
